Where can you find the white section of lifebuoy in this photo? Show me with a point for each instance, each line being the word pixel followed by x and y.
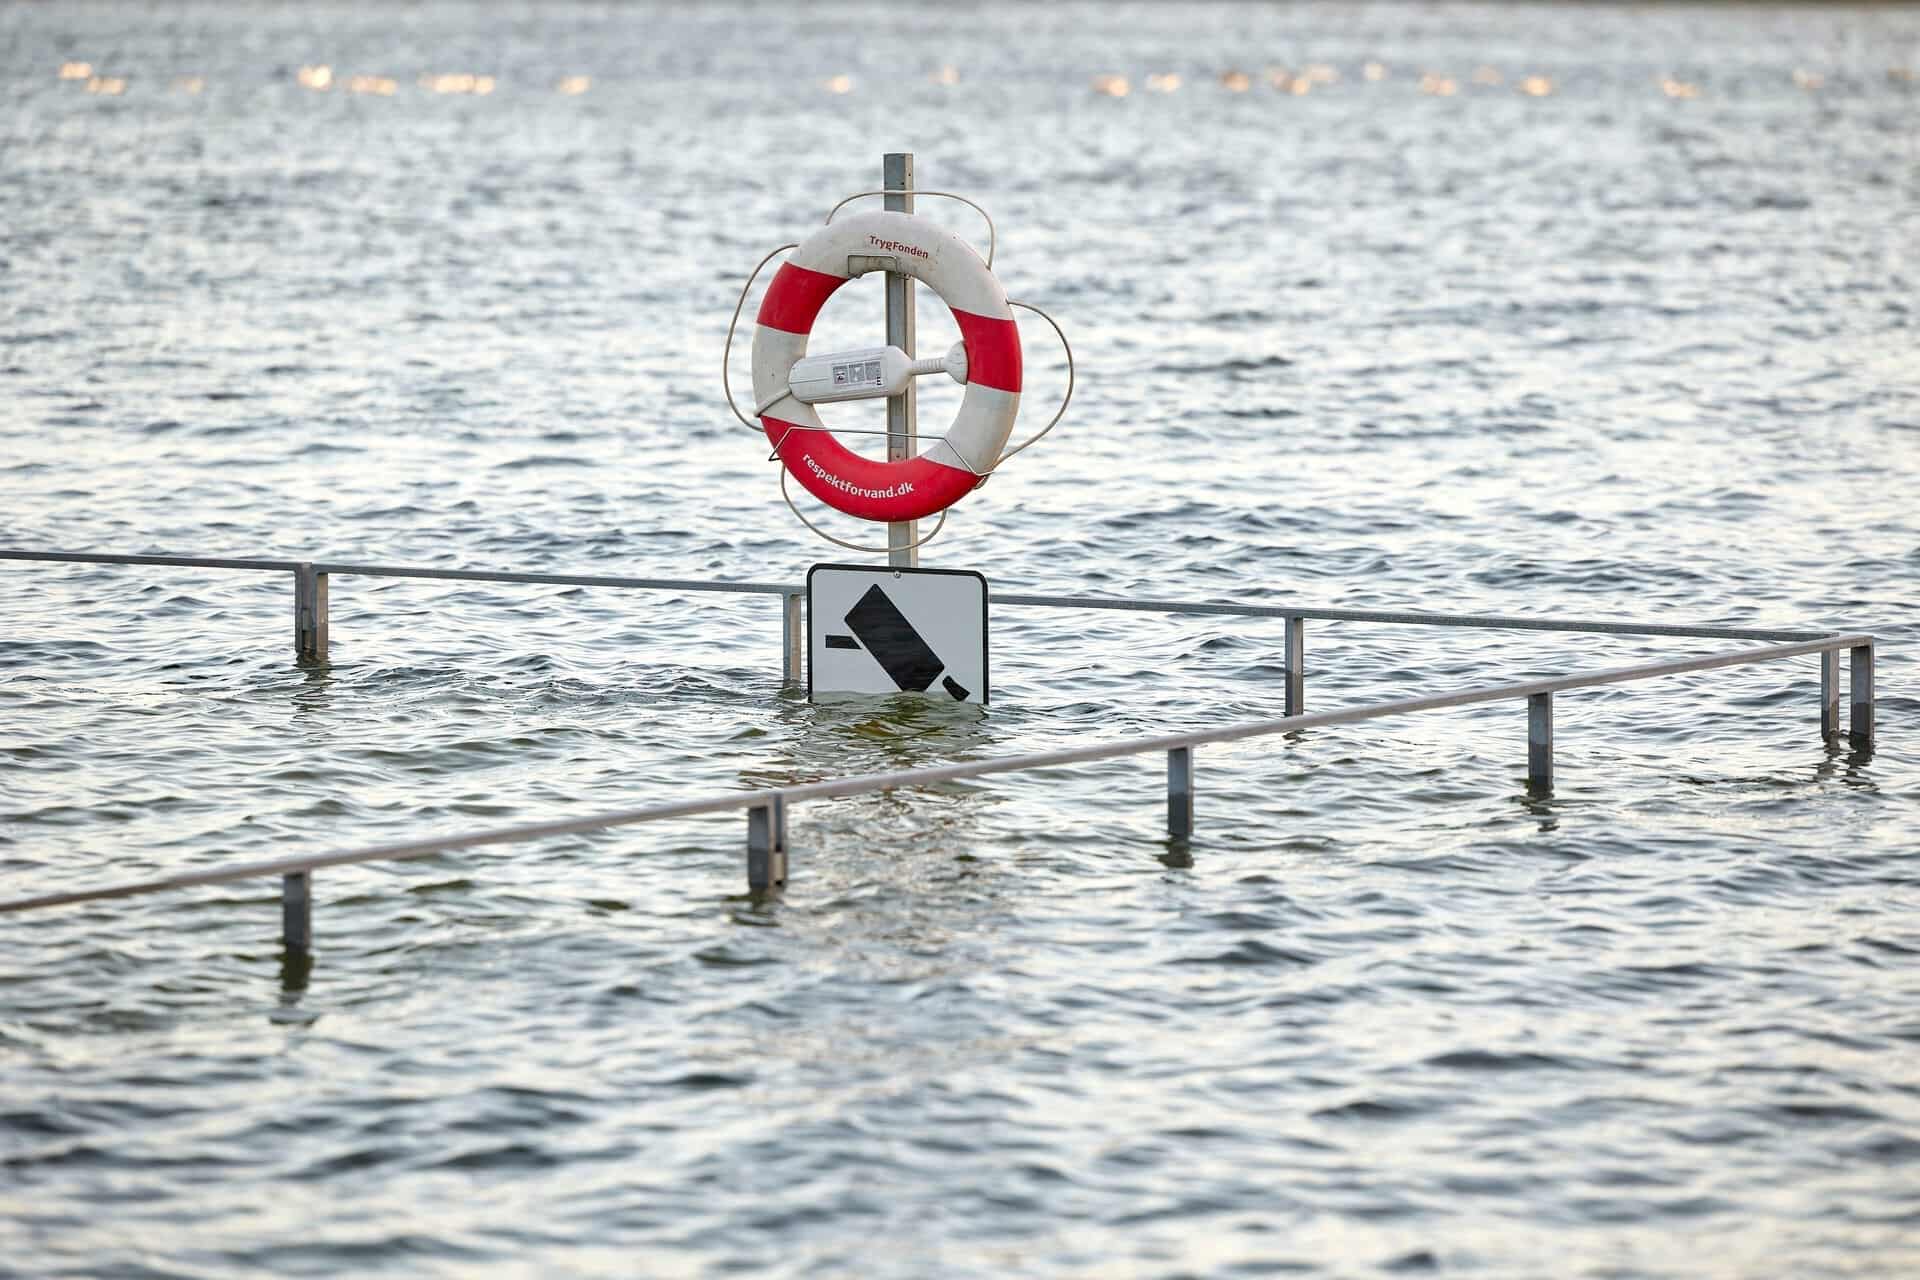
pixel 929 253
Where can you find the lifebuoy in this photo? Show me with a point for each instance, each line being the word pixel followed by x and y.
pixel 950 466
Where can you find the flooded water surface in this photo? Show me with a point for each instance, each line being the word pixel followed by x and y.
pixel 1567 312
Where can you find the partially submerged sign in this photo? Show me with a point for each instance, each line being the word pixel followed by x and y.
pixel 885 630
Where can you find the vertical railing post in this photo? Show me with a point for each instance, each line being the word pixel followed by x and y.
pixel 767 845
pixel 1180 792
pixel 793 640
pixel 1860 694
pixel 1296 666
pixel 896 171
pixel 1540 742
pixel 309 616
pixel 1829 695
pixel 296 912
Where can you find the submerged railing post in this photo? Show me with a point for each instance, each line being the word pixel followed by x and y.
pixel 1860 692
pixel 767 845
pixel 1180 792
pixel 296 912
pixel 1296 666
pixel 1540 742
pixel 1830 695
pixel 309 615
pixel 793 640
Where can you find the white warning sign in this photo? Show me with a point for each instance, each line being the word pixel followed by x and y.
pixel 883 630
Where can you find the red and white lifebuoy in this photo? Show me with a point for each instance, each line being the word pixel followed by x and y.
pixel 913 487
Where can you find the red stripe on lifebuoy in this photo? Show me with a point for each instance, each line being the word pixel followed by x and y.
pixel 993 350
pixel 795 297
pixel 871 489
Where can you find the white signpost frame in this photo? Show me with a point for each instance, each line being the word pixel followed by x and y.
pixel 889 630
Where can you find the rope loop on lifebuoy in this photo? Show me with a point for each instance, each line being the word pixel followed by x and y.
pixel 922 541
pixel 1065 400
pixel 726 353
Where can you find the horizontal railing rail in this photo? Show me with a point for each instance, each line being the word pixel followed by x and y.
pixel 183 562
pixel 767 808
pixel 558 579
pixel 1401 617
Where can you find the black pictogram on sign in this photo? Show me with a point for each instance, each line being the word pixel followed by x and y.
pixel 885 633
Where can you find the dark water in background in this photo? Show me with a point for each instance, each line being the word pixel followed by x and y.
pixel 1605 351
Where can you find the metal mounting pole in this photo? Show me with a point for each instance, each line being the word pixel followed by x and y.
pixel 309 616
pixel 767 845
pixel 1540 743
pixel 903 409
pixel 296 912
pixel 1180 792
pixel 1860 691
pixel 1296 666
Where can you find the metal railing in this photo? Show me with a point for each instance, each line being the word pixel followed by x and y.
pixel 767 808
pixel 311 626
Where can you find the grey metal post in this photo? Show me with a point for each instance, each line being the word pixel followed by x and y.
pixel 1540 742
pixel 1180 792
pixel 793 639
pixel 1860 689
pixel 1296 666
pixel 296 912
pixel 1830 695
pixel 767 845
pixel 903 409
pixel 309 615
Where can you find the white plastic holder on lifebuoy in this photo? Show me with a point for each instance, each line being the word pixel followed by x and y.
pixel 868 373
